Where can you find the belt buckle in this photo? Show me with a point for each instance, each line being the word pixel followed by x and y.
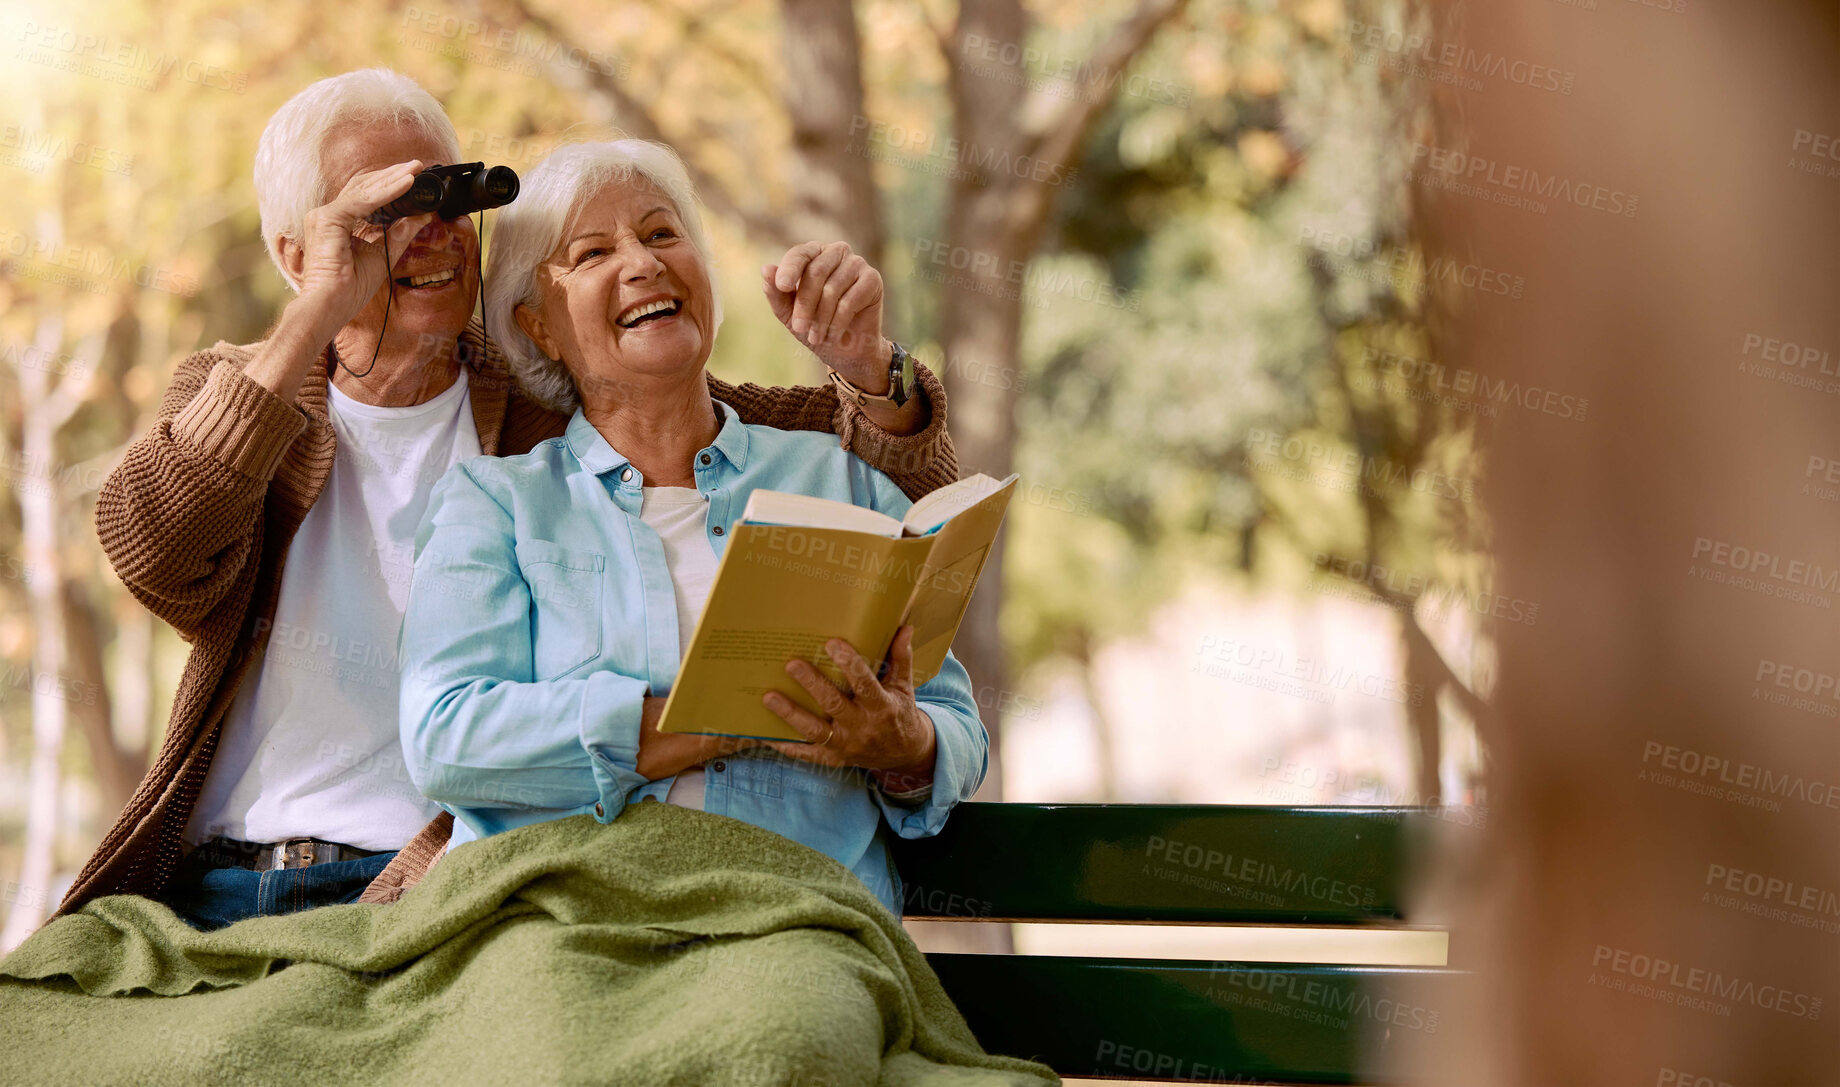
pixel 302 853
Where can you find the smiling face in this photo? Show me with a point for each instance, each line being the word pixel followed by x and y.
pixel 625 296
pixel 436 279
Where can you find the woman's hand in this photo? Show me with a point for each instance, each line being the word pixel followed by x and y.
pixel 662 754
pixel 831 299
pixel 878 726
pixel 342 264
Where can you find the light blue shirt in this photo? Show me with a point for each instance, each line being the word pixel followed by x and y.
pixel 542 614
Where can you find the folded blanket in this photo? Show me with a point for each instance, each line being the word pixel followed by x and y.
pixel 670 946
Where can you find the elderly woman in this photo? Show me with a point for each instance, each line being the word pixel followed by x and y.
pixel 555 592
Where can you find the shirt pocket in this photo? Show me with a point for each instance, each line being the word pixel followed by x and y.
pixel 565 605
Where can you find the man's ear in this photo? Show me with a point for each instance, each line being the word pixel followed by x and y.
pixel 293 259
pixel 530 320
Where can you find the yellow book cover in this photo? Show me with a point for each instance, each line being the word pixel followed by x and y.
pixel 793 576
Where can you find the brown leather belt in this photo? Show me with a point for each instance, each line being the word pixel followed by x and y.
pixel 293 853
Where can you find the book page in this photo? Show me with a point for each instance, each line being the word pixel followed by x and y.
pixel 943 591
pixel 935 509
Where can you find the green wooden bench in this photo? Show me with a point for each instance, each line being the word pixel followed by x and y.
pixel 1171 1019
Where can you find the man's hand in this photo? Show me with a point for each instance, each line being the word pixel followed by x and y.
pixel 878 726
pixel 342 265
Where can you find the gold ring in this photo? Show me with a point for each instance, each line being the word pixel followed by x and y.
pixel 828 734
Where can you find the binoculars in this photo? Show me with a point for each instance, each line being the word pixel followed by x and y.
pixel 452 191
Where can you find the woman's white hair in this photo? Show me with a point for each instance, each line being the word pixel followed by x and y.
pixel 290 178
pixel 528 230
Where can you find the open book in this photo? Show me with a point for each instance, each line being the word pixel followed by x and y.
pixel 800 570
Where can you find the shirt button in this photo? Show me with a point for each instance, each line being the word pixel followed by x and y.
pixel 717 530
pixel 600 811
pixel 705 458
pixel 626 475
pixel 718 766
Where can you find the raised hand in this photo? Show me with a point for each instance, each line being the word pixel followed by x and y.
pixel 831 300
pixel 343 265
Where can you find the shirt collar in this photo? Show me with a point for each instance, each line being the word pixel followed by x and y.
pixel 598 457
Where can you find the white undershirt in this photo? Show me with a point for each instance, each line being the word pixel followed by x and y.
pixel 310 746
pixel 679 516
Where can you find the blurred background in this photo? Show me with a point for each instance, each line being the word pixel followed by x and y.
pixel 1392 383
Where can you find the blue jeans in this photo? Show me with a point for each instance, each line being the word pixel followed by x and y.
pixel 209 894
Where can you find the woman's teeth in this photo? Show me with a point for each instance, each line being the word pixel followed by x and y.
pixel 432 279
pixel 633 316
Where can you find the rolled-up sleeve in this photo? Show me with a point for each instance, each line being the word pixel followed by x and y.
pixel 961 753
pixel 478 729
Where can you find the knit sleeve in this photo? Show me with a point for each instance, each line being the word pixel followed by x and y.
pixel 177 516
pixel 918 463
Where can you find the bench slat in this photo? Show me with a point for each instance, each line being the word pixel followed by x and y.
pixel 1213 1022
pixel 1171 863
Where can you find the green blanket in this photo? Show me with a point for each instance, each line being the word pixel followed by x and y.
pixel 671 946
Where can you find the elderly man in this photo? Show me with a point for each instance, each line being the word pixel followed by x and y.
pixel 269 514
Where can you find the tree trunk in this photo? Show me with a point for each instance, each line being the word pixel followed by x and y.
pixel 117 770
pixel 1424 679
pixel 1105 736
pixel 833 193
pixel 41 417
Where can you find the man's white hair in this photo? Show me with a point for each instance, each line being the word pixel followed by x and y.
pixel 290 178
pixel 528 230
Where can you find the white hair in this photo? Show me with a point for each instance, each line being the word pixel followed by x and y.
pixel 290 174
pixel 528 230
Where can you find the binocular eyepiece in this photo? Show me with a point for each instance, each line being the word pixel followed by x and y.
pixel 452 191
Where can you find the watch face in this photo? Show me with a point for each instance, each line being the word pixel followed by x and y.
pixel 901 375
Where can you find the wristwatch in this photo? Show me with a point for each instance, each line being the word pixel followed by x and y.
pixel 901 380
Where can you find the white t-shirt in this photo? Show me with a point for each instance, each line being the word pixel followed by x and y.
pixel 310 746
pixel 678 515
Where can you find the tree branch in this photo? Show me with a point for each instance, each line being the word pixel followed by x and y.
pixel 1061 134
pixel 589 79
pixel 695 29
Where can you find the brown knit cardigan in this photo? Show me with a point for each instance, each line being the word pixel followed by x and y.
pixel 197 519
